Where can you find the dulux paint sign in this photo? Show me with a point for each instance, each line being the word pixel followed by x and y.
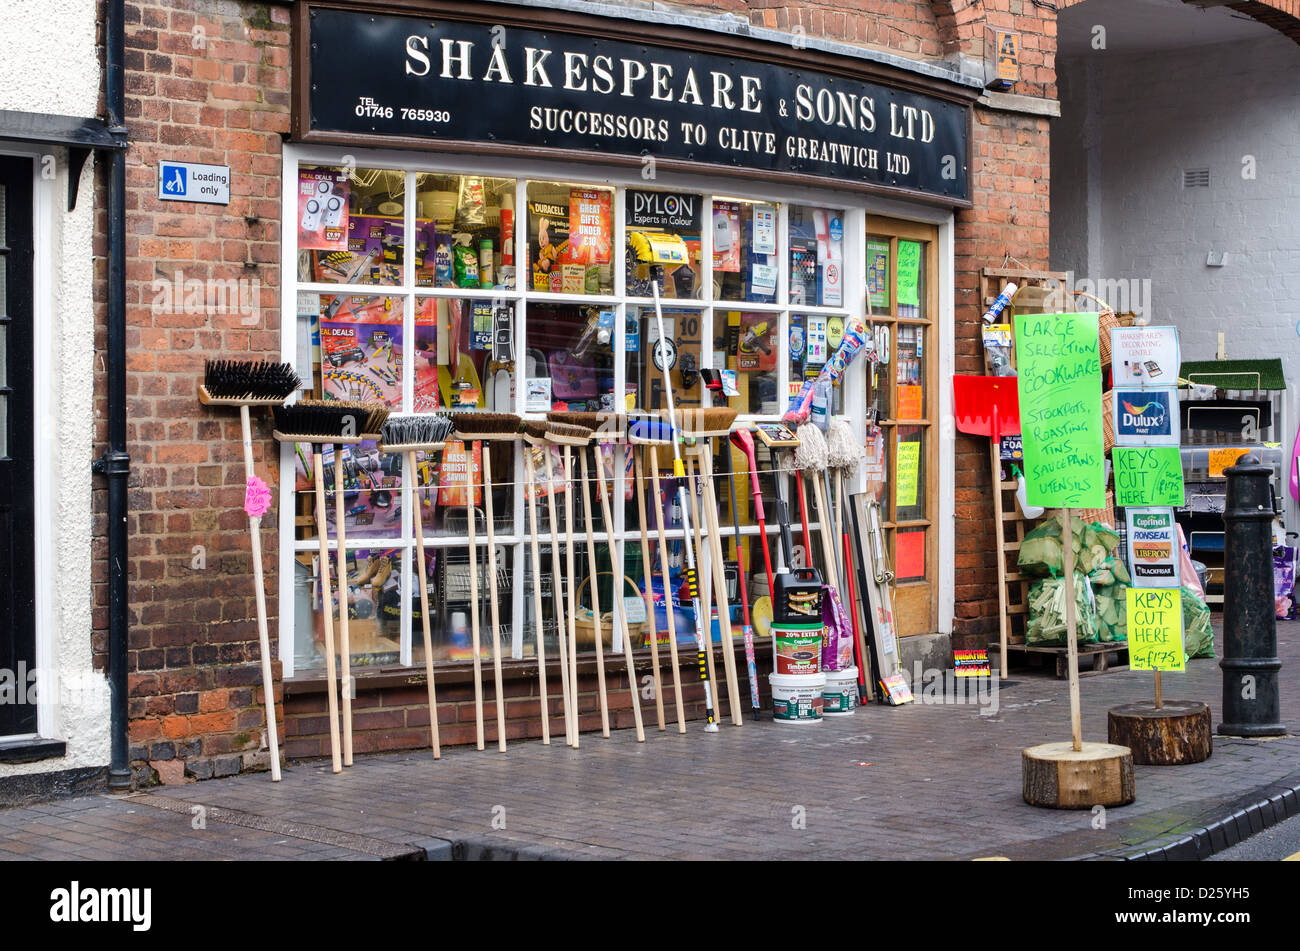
pixel 1146 417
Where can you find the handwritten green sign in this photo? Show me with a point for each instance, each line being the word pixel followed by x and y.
pixel 909 467
pixel 1147 475
pixel 909 272
pixel 1155 629
pixel 1058 360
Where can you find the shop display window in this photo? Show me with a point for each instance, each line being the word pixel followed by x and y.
pixel 506 298
pixel 570 238
pixel 464 232
pixel 350 225
pixel 747 347
pixel 745 251
pixel 663 243
pixel 816 257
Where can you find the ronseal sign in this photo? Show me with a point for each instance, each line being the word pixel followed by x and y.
pixel 439 79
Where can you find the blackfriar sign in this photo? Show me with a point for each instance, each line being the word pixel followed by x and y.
pixel 422 79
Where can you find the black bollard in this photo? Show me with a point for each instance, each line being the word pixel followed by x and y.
pixel 1251 704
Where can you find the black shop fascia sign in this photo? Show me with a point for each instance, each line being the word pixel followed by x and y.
pixel 591 91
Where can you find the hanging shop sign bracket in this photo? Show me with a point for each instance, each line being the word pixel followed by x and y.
pixel 498 86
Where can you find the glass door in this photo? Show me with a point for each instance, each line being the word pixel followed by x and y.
pixel 902 261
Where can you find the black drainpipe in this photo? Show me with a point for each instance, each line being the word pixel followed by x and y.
pixel 116 462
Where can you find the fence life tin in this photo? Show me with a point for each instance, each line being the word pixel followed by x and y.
pixel 841 693
pixel 797 649
pixel 797 700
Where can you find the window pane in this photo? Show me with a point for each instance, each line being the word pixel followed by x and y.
pixel 911 279
pixel 570 231
pixel 372 484
pixel 909 554
pixel 748 345
pixel 451 630
pixel 909 483
pixel 462 354
pixel 745 265
pixel 374 608
pixel 645 379
pixel 878 274
pixel 350 225
pixel 465 231
pixel 909 371
pixel 812 339
pixel 361 348
pixel 663 243
pixel 816 256
pixel 570 359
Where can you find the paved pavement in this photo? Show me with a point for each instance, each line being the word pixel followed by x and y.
pixel 926 781
pixel 1278 843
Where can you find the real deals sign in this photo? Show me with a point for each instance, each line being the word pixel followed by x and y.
pixel 1059 382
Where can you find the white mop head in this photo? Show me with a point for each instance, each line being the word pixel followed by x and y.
pixel 843 451
pixel 811 454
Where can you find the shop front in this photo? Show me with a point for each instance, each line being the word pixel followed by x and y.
pixel 475 220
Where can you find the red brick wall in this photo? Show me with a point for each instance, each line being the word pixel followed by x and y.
pixel 203 84
pixel 209 82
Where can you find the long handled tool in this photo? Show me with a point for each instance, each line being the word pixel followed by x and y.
pixel 650 434
pixel 648 589
pixel 345 640
pixel 619 614
pixel 319 423
pixel 741 568
pixel 410 434
pixel 567 435
pixel 534 432
pixel 246 384
pixel 708 597
pixel 844 453
pixel 479 428
pixel 536 435
pixel 692 579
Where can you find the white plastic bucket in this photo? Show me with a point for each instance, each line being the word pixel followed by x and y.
pixel 841 693
pixel 797 699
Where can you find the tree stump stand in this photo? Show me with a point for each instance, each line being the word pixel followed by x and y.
pixel 1177 732
pixel 1057 776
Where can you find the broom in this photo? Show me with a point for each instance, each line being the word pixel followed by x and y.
pixel 580 422
pixel 650 433
pixel 844 452
pixel 692 579
pixel 704 425
pixel 409 434
pixel 619 613
pixel 320 423
pixel 567 436
pixel 479 428
pixel 534 434
pixel 245 384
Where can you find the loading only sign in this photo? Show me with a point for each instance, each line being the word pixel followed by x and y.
pixel 186 181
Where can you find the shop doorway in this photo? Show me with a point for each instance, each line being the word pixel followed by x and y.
pixel 17 523
pixel 902 268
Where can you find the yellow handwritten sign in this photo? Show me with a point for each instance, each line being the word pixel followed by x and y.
pixel 909 466
pixel 1155 629
pixel 1220 459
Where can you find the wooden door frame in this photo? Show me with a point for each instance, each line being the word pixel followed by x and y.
pixel 905 596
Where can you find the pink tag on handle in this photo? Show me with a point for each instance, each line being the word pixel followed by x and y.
pixel 257 497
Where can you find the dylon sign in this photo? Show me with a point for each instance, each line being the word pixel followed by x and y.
pixel 471 82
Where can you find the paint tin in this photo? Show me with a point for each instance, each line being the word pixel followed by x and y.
pixel 841 693
pixel 797 649
pixel 797 700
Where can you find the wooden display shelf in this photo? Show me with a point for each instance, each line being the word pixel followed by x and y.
pixel 1099 654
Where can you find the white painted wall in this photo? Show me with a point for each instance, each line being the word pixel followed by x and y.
pixel 1129 126
pixel 47 57
pixel 48 64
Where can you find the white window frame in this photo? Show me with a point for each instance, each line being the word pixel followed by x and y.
pixel 857 207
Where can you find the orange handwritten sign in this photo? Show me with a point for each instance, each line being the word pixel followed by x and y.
pixel 909 402
pixel 1220 459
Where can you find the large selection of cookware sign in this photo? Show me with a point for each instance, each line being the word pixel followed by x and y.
pixel 402 76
